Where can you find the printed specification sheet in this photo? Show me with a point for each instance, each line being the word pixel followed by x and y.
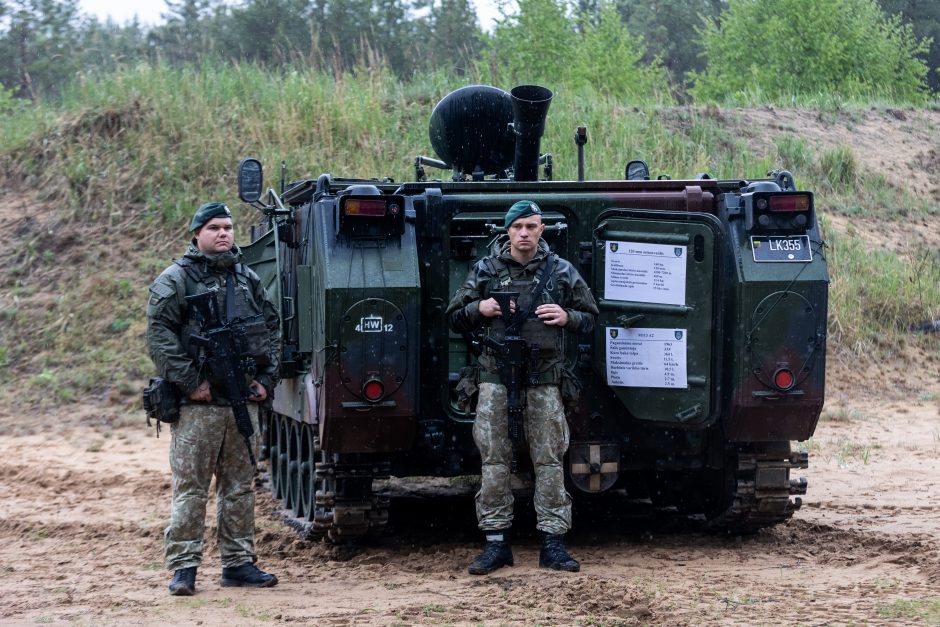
pixel 647 358
pixel 645 273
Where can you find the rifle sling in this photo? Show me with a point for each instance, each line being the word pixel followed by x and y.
pixel 230 313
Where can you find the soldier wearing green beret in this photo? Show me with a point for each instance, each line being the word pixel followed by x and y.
pixel 563 304
pixel 205 439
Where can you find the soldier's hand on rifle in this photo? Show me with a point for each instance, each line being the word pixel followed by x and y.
pixel 202 393
pixel 552 314
pixel 258 393
pixel 489 308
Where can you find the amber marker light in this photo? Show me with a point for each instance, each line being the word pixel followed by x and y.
pixel 790 202
pixel 364 207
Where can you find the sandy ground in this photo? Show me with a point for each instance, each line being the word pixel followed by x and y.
pixel 83 506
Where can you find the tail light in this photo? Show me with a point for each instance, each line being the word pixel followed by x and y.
pixel 365 207
pixel 791 202
pixel 783 212
pixel 373 390
pixel 784 379
pixel 369 215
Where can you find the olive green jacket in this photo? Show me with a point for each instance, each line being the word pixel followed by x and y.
pixel 169 322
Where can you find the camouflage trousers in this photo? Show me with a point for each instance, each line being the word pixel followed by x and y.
pixel 206 442
pixel 545 430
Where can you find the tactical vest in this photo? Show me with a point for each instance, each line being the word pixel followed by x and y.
pixel 246 310
pixel 545 342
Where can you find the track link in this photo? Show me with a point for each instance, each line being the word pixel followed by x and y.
pixel 762 490
pixel 346 508
pixel 322 496
pixel 342 519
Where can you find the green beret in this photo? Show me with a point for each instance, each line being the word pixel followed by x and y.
pixel 207 212
pixel 521 209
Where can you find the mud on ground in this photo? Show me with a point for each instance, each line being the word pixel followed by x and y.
pixel 83 507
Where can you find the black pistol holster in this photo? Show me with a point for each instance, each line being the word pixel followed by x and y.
pixel 161 402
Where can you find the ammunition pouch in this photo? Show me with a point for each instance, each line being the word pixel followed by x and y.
pixel 254 340
pixel 535 332
pixel 162 401
pixel 570 387
pixel 538 372
pixel 467 387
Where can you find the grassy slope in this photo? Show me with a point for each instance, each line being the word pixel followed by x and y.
pixel 98 190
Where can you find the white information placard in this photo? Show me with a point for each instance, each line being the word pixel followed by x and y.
pixel 647 358
pixel 645 273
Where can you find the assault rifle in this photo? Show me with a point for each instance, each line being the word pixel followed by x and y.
pixel 511 360
pixel 226 359
pixel 514 354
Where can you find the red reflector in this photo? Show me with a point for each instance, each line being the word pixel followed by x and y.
pixel 363 207
pixel 783 379
pixel 795 202
pixel 373 390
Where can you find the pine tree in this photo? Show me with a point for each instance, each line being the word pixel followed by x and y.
pixel 40 45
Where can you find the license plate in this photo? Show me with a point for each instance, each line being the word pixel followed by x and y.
pixel 781 248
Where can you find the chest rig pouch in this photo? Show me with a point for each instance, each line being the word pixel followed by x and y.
pixel 543 342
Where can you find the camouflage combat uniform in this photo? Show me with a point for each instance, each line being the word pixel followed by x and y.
pixel 206 439
pixel 544 425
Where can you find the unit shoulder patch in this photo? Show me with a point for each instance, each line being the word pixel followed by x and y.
pixel 159 291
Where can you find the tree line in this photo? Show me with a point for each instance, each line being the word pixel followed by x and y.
pixel 639 50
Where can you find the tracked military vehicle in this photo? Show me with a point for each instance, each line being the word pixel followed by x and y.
pixel 707 359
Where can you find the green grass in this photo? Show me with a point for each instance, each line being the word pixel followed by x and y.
pixel 838 168
pixel 877 296
pixel 428 610
pixel 795 153
pixel 922 609
pixel 811 445
pixel 850 451
pixel 827 102
pixel 842 414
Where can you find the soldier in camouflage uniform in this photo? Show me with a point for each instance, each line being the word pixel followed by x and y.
pixel 206 440
pixel 564 304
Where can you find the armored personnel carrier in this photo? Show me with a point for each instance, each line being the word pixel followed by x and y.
pixel 707 360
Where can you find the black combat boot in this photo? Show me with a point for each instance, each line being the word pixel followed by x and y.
pixel 247 575
pixel 555 556
pixel 496 554
pixel 184 582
